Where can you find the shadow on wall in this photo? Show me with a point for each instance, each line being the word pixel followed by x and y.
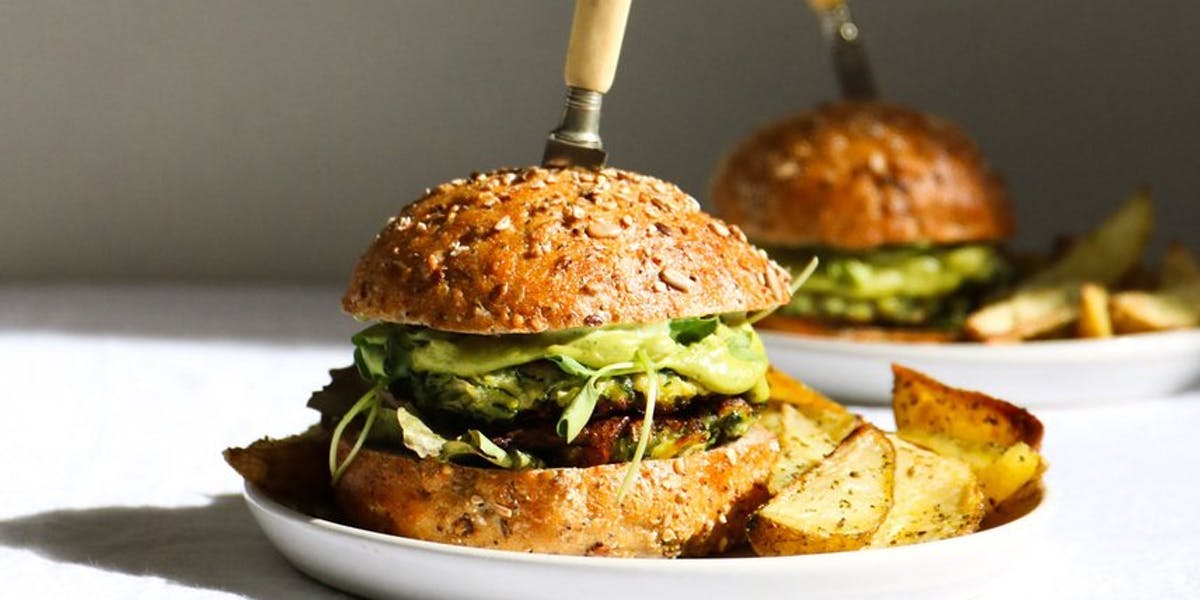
pixel 216 546
pixel 281 315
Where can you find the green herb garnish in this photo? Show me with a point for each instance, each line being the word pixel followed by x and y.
pixel 689 331
pixel 580 409
pixel 797 281
pixel 645 363
pixel 368 403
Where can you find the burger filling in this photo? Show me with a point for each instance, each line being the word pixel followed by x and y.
pixel 897 286
pixel 579 397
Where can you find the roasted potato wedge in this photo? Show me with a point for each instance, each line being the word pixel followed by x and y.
pixel 1048 301
pixel 802 444
pixel 935 497
pixel 837 505
pixel 1094 320
pixel 922 403
pixel 1015 506
pixel 830 417
pixel 1000 470
pixel 997 440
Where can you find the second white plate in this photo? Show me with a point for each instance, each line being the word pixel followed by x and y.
pixel 1030 374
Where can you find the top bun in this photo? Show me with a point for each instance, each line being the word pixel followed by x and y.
pixel 859 175
pixel 532 250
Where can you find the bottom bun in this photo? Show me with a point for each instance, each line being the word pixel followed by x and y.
pixel 857 333
pixel 693 505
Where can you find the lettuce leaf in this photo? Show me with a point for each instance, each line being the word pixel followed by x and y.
pixel 474 443
pixel 417 436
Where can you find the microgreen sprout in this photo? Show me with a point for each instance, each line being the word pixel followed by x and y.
pixel 647 365
pixel 797 281
pixel 368 403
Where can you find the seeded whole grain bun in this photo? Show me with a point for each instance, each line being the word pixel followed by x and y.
pixel 858 175
pixel 693 505
pixel 532 250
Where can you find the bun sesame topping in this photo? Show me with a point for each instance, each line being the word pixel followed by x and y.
pixel 536 249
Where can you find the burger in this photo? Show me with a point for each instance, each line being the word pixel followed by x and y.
pixel 555 360
pixel 899 206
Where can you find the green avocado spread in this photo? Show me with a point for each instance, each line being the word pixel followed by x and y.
pixel 498 377
pixel 905 285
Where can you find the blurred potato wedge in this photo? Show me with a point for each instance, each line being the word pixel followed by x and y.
pixel 998 440
pixel 1048 301
pixel 1094 320
pixel 1029 313
pixel 935 497
pixel 1177 307
pixel 1179 266
pixel 835 506
pixel 1109 251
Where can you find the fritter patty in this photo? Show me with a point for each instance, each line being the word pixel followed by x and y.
pixel 613 439
pixel 537 390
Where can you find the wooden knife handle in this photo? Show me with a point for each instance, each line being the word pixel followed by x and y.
pixel 595 46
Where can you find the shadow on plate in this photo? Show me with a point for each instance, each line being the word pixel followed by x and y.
pixel 216 546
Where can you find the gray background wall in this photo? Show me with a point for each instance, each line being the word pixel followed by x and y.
pixel 269 139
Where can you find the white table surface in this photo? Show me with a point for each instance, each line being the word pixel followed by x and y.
pixel 118 400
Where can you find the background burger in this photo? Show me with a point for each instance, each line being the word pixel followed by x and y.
pixel 560 360
pixel 899 206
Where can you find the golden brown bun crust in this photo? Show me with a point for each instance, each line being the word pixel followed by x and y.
pixel 858 175
pixel 692 505
pixel 546 249
pixel 856 333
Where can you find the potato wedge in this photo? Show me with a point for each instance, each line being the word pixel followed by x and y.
pixel 1179 266
pixel 1029 313
pixel 1094 320
pixel 838 505
pixel 832 418
pixel 922 403
pixel 1015 506
pixel 1107 252
pixel 1049 300
pixel 997 440
pixel 1001 471
pixel 1177 307
pixel 802 444
pixel 935 497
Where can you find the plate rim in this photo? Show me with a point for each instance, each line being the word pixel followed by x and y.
pixel 1063 351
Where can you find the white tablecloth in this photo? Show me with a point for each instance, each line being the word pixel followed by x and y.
pixel 118 400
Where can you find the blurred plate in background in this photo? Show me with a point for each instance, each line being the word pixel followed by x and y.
pixel 1031 374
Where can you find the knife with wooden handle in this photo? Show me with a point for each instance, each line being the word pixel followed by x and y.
pixel 596 34
pixel 849 54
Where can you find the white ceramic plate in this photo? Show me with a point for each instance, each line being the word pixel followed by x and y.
pixel 1031 374
pixel 384 566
